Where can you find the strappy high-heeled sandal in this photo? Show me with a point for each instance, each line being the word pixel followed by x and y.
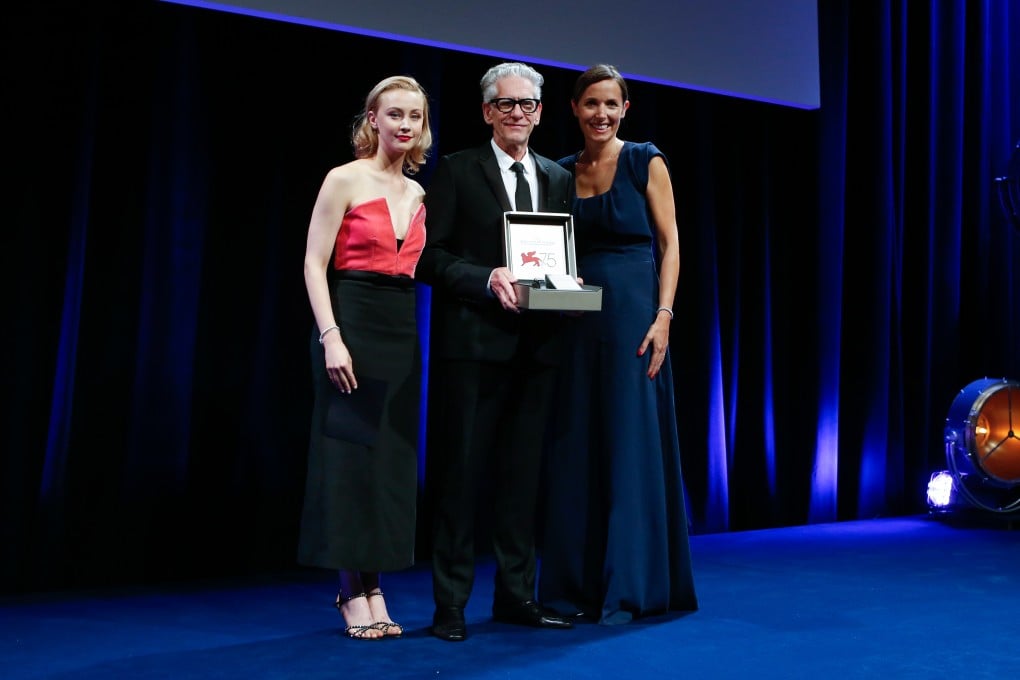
pixel 357 632
pixel 386 626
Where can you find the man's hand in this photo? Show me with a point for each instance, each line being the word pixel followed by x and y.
pixel 501 283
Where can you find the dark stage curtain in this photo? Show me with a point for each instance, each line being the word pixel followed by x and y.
pixel 845 271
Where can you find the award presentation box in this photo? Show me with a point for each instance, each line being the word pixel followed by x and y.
pixel 538 249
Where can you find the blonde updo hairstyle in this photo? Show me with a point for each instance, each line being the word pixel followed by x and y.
pixel 366 140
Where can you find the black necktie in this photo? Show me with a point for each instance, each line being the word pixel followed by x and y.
pixel 522 197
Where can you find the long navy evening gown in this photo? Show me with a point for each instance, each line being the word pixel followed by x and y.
pixel 615 540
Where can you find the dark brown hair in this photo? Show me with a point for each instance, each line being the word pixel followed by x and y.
pixel 597 74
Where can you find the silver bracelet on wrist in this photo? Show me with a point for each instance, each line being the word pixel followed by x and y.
pixel 323 333
pixel 665 309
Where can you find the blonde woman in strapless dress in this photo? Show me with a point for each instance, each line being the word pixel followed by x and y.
pixel 366 233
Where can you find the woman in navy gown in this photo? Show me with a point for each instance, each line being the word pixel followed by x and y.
pixel 616 542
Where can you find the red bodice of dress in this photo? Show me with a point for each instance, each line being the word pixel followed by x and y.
pixel 366 241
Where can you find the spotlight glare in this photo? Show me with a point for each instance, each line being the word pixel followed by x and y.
pixel 940 490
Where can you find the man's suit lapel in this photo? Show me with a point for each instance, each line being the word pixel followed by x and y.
pixel 490 170
pixel 542 174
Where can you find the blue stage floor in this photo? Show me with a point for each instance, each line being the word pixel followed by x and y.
pixel 897 598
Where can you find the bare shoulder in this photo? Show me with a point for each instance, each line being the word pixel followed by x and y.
pixel 657 168
pixel 345 182
pixel 348 173
pixel 414 188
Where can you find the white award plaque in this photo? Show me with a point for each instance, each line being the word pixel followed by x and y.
pixel 538 249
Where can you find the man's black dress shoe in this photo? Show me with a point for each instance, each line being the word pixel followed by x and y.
pixel 448 624
pixel 529 613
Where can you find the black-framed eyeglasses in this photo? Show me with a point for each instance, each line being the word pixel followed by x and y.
pixel 506 104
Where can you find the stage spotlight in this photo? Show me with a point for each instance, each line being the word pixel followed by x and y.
pixel 982 447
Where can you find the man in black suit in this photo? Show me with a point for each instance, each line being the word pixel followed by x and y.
pixel 492 364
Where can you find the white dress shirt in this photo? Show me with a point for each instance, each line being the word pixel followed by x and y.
pixel 510 177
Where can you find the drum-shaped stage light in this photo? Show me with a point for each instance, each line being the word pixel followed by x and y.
pixel 982 447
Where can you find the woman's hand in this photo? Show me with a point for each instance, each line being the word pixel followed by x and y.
pixel 658 337
pixel 339 365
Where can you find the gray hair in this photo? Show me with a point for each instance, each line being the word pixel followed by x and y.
pixel 505 70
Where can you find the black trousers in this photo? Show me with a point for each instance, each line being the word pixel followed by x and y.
pixel 492 418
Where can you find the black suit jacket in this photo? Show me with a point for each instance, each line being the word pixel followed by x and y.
pixel 464 203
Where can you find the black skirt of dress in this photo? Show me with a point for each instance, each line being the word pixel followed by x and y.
pixel 361 486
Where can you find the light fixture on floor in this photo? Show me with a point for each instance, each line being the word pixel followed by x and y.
pixel 982 449
pixel 941 492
